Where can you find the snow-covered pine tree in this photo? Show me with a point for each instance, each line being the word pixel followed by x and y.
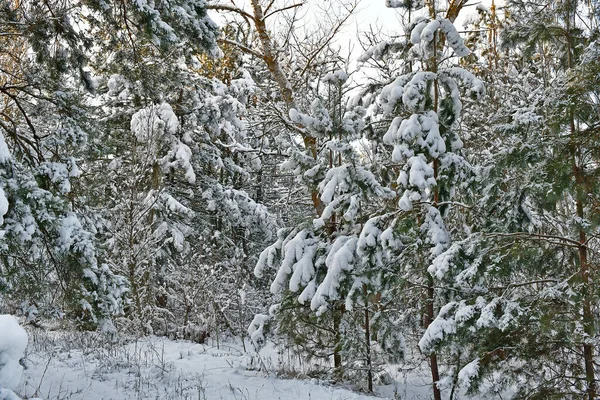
pixel 179 209
pixel 522 297
pixel 138 54
pixel 147 115
pixel 50 263
pixel 141 218
pixel 428 162
pixel 315 263
pixel 232 227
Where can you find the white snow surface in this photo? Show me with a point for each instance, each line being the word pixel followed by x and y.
pixel 297 260
pixel 468 372
pixel 158 368
pixel 89 366
pixel 415 34
pixel 337 77
pixel 13 341
pixel 153 122
pixel 256 328
pixel 340 259
pixel 4 151
pixel 3 205
pixel 428 31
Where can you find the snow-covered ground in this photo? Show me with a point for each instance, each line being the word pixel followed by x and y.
pixel 77 366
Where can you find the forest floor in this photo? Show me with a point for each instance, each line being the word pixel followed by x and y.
pixel 61 366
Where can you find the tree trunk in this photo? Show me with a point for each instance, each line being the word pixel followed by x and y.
pixel 270 57
pixel 285 87
pixel 435 375
pixel 368 341
pixel 337 356
pixel 584 268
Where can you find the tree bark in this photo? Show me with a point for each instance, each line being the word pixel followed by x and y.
pixel 270 57
pixel 285 87
pixel 584 268
pixel 368 341
pixel 435 375
pixel 338 310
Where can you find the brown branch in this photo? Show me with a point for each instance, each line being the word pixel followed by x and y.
pixel 23 112
pixel 571 242
pixel 242 47
pixel 289 124
pixel 332 35
pixel 268 7
pixel 225 7
pixel 20 139
pixel 6 86
pixel 270 57
pixel 454 8
pixel 515 285
pixel 282 9
pixel 128 29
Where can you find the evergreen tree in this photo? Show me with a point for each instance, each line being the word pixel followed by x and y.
pixel 316 262
pixel 524 297
pixel 49 259
pixel 430 171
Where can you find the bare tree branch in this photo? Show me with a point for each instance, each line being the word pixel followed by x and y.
pixel 242 47
pixel 283 9
pixel 225 7
pixel 334 31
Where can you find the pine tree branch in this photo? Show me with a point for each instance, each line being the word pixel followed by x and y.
pixel 444 203
pixel 23 112
pixel 567 241
pixel 514 285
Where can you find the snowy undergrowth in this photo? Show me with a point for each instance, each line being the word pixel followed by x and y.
pixel 85 366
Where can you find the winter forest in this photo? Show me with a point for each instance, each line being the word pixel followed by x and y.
pixel 256 199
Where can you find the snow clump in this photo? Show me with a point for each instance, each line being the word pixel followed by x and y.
pixel 13 341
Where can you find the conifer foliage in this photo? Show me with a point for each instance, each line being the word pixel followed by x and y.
pixel 436 212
